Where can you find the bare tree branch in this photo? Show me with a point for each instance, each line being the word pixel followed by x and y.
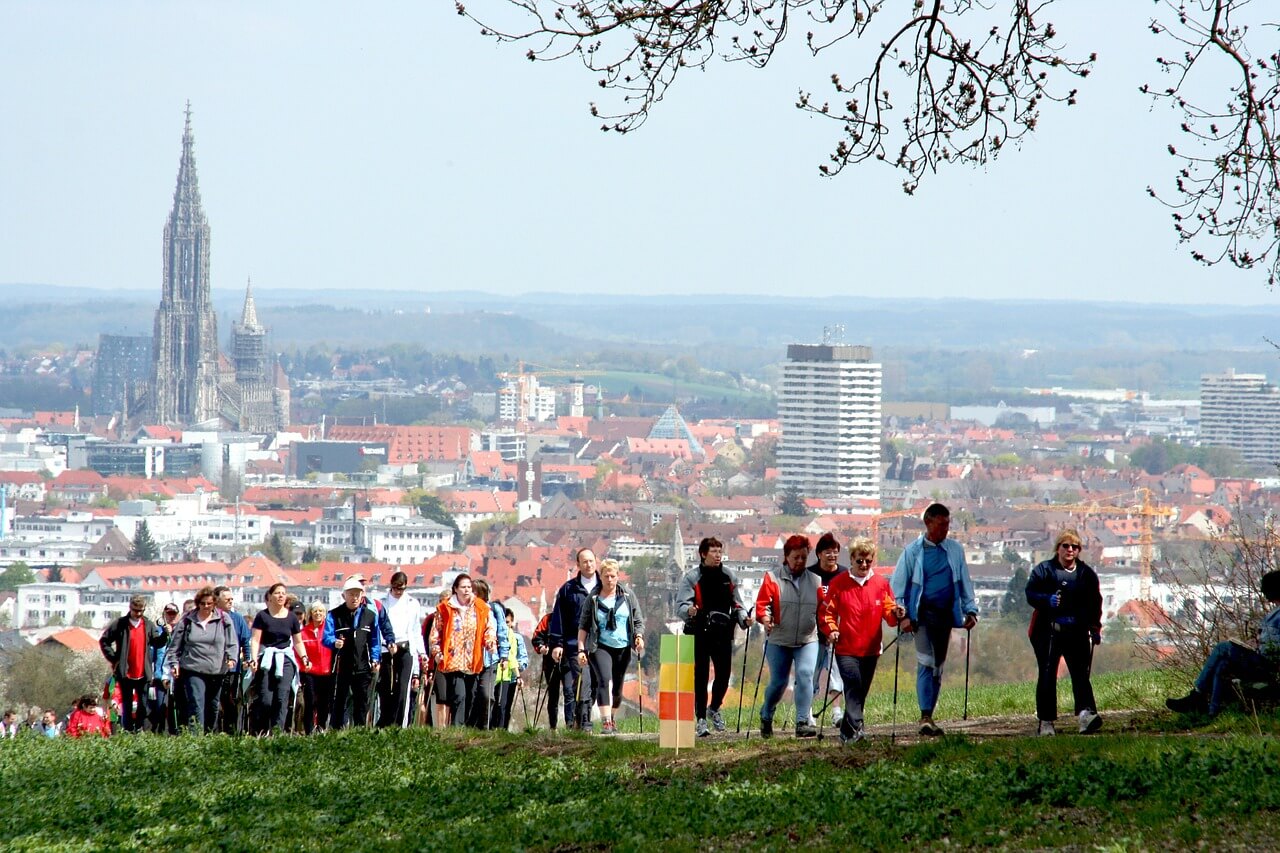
pixel 1226 202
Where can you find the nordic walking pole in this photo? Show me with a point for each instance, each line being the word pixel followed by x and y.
pixel 822 715
pixel 543 677
pixel 764 653
pixel 968 646
pixel 524 697
pixel 742 685
pixel 893 733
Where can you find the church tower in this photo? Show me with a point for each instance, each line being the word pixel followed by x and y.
pixel 255 374
pixel 184 387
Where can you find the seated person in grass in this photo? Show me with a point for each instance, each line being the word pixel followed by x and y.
pixel 1231 659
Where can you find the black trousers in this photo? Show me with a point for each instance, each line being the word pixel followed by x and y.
pixel 394 679
pixel 353 686
pixel 1073 644
pixel 460 688
pixel 164 710
pixel 577 701
pixel 272 695
pixel 608 671
pixel 711 647
pixel 133 690
pixel 553 674
pixel 481 703
pixel 317 697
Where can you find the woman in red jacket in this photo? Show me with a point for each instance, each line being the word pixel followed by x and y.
pixel 317 678
pixel 86 719
pixel 858 604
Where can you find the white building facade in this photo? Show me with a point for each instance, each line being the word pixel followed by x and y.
pixel 829 407
pixel 1242 411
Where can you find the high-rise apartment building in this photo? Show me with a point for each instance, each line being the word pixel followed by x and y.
pixel 829 405
pixel 1241 411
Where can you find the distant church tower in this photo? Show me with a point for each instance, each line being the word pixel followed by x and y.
pixel 255 374
pixel 184 387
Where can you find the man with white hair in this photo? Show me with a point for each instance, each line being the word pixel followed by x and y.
pixel 352 630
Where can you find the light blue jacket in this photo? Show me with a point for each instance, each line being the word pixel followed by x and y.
pixel 498 615
pixel 907 582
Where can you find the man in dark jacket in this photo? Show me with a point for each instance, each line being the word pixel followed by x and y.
pixel 126 644
pixel 352 630
pixel 564 640
pixel 710 603
pixel 233 694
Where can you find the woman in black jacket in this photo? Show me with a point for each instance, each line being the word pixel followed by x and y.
pixel 1067 623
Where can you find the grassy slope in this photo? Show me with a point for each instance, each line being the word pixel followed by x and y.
pixel 417 789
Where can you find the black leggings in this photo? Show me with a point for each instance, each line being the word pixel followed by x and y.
pixel 711 647
pixel 609 666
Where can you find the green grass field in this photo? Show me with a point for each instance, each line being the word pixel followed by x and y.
pixel 1159 786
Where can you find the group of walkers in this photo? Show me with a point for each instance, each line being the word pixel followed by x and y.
pixel 315 668
pixel 827 616
pixel 318 668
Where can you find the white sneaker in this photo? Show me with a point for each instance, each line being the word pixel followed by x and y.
pixel 1046 729
pixel 836 714
pixel 1090 722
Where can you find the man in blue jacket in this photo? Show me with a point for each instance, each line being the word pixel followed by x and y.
pixel 233 692
pixel 932 581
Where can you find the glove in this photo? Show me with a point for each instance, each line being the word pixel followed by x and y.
pixel 1096 636
pixel 1055 600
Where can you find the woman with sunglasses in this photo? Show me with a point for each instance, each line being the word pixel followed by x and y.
pixel 858 604
pixel 1067 623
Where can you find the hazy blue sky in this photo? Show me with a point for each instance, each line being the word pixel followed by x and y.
pixel 391 146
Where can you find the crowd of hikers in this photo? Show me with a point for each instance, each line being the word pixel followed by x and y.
pixel 389 662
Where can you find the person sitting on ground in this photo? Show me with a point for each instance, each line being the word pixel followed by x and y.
pixel 87 719
pixel 1232 659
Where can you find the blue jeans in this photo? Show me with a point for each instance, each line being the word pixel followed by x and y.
pixel 827 665
pixel 933 637
pixel 780 660
pixel 1230 660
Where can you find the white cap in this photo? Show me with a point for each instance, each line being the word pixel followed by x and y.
pixel 353 583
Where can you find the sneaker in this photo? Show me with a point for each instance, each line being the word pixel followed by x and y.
pixel 1090 722
pixel 836 714
pixel 766 728
pixel 849 740
pixel 701 729
pixel 717 721
pixel 1191 703
pixel 806 730
pixel 1045 729
pixel 608 727
pixel 928 727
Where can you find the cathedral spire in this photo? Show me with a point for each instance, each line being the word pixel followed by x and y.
pixel 186 195
pixel 249 319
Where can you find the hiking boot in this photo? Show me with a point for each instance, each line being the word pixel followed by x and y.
pixel 806 730
pixel 766 728
pixel 1090 722
pixel 1045 729
pixel 701 729
pixel 717 721
pixel 608 727
pixel 849 740
pixel 1193 702
pixel 928 727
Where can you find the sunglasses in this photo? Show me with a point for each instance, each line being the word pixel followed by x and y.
pixel 399 587
pixel 1069 546
pixel 864 561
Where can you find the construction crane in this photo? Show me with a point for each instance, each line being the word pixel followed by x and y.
pixel 1144 509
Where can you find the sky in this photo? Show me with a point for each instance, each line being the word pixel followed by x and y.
pixel 393 147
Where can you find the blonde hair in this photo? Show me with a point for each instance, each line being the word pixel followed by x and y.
pixel 861 545
pixel 608 563
pixel 1070 536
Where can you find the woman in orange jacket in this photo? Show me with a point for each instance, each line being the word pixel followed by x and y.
pixel 858 604
pixel 461 632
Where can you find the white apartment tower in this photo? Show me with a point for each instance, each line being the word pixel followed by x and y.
pixel 1242 411
pixel 829 406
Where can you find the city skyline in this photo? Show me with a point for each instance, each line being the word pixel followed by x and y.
pixel 408 153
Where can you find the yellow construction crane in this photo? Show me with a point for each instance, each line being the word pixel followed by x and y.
pixel 1144 509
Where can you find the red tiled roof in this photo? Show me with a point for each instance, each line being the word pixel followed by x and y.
pixel 75 639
